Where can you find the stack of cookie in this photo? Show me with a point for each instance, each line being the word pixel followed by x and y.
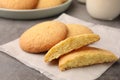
pixel 66 42
pixel 29 4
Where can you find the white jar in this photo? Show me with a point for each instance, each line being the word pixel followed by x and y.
pixel 82 1
pixel 103 9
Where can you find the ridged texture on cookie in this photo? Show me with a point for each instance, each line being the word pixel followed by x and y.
pixel 43 36
pixel 18 4
pixel 77 29
pixel 49 3
pixel 84 57
pixel 70 44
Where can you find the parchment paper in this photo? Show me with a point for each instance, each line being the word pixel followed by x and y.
pixel 110 40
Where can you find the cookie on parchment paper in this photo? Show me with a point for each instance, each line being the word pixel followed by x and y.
pixel 77 29
pixel 43 36
pixel 70 44
pixel 85 56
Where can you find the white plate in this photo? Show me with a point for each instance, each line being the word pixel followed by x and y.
pixel 34 13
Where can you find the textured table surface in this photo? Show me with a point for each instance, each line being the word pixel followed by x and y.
pixel 11 69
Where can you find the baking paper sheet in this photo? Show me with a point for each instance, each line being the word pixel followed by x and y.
pixel 110 40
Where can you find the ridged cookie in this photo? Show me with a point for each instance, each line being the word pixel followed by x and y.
pixel 77 29
pixel 84 57
pixel 43 36
pixel 49 3
pixel 70 44
pixel 18 4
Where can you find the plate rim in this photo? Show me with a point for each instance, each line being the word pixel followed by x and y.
pixel 31 10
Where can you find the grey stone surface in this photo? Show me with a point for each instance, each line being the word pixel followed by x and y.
pixel 11 69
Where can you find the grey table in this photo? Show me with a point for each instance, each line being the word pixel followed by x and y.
pixel 11 69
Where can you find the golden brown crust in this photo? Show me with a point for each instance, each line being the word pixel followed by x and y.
pixel 43 36
pixel 49 3
pixel 18 4
pixel 84 57
pixel 77 29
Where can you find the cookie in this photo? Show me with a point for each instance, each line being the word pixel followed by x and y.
pixel 49 3
pixel 18 4
pixel 77 29
pixel 70 44
pixel 84 57
pixel 43 36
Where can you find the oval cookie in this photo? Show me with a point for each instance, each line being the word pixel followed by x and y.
pixel 18 4
pixel 77 29
pixel 69 44
pixel 43 36
pixel 84 57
